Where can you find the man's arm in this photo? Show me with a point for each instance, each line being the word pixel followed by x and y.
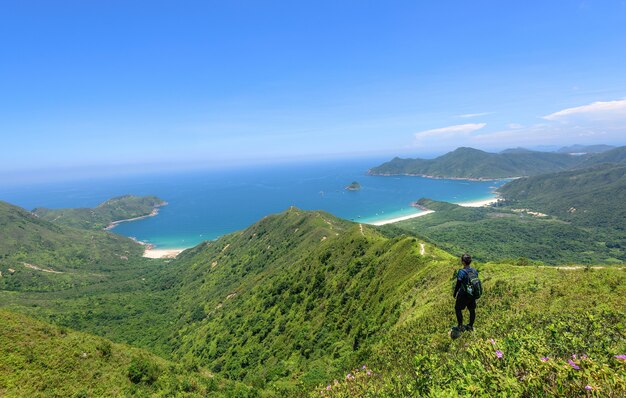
pixel 456 288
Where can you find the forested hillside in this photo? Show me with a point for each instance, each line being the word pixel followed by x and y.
pixel 512 234
pixel 116 209
pixel 591 197
pixel 474 163
pixel 302 298
pixel 45 255
pixel 41 360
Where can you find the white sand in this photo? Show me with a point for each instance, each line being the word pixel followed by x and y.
pixel 407 217
pixel 479 203
pixel 161 253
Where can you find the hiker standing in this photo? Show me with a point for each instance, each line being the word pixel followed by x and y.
pixel 466 291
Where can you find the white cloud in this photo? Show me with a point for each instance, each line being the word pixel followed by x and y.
pixel 467 115
pixel 515 126
pixel 450 131
pixel 597 111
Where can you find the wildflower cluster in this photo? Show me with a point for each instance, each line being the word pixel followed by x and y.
pixel 355 383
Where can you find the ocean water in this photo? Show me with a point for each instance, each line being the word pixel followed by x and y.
pixel 203 205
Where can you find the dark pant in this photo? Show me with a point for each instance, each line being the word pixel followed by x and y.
pixel 462 301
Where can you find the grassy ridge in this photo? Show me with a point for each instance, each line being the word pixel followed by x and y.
pixel 300 298
pixel 527 313
pixel 120 208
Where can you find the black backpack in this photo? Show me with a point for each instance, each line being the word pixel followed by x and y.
pixel 471 284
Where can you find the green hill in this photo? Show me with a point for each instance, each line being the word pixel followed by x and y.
pixel 617 155
pixel 113 210
pixel 473 163
pixel 302 298
pixel 41 360
pixel 44 255
pixel 497 234
pixel 590 197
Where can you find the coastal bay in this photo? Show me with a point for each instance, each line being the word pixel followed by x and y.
pixel 206 204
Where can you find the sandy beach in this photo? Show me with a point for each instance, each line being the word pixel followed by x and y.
pixel 475 203
pixel 407 217
pixel 479 203
pixel 161 253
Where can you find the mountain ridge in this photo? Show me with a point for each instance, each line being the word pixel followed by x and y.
pixel 470 163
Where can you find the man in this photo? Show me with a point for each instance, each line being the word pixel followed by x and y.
pixel 463 298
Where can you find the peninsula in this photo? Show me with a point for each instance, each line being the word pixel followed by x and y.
pixel 106 215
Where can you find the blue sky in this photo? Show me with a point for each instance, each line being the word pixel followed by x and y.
pixel 88 83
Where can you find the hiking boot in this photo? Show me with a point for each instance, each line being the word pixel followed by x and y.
pixel 459 328
pixel 468 328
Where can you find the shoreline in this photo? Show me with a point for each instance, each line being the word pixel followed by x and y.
pixel 153 213
pixel 425 211
pixel 401 218
pixel 442 178
pixel 480 202
pixel 151 252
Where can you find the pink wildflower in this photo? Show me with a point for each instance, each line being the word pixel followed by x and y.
pixel 573 356
pixel 328 387
pixel 572 364
pixel 499 353
pixel 545 359
pixel 369 373
pixel 623 357
pixel 363 367
pixel 492 341
pixel 588 387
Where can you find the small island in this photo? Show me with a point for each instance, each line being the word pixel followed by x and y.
pixel 355 186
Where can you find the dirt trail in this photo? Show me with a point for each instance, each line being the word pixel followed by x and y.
pixel 422 249
pixel 361 227
pixel 36 268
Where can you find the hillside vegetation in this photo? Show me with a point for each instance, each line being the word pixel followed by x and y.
pixel 116 209
pixel 474 163
pixel 302 298
pixel 41 360
pixel 500 233
pixel 44 255
pixel 592 197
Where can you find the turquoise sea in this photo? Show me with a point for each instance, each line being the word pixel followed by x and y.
pixel 204 205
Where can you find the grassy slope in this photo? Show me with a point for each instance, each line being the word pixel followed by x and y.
pixel 492 234
pixel 300 298
pixel 41 360
pixel 529 313
pixel 81 257
pixel 298 295
pixel 473 163
pixel 115 209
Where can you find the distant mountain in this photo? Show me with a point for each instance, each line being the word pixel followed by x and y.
pixel 474 163
pixel 517 150
pixel 112 211
pixel 585 149
pixel 592 197
pixel 615 156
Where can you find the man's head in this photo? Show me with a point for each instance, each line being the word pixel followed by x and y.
pixel 466 259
